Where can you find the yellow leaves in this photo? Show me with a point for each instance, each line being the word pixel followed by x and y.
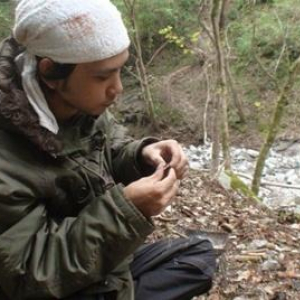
pixel 195 37
pixel 181 42
pixel 165 31
pixel 172 37
pixel 188 51
pixel 257 104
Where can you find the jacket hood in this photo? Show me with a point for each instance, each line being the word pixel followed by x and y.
pixel 16 114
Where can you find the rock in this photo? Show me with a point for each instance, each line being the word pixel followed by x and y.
pixel 280 177
pixel 280 296
pixel 281 257
pixel 193 148
pixel 296 285
pixel 293 150
pixel 241 247
pixel 257 244
pixel 195 165
pixel 253 153
pixel 224 180
pixel 270 265
pixel 279 168
pixel 291 177
pixel 297 209
pixel 297 201
pixel 183 192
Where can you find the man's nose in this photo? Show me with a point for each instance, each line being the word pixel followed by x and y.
pixel 116 88
pixel 119 86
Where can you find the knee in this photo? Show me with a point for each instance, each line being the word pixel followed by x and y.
pixel 206 285
pixel 203 257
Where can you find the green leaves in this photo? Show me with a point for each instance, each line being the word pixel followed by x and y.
pixel 157 18
pixel 5 19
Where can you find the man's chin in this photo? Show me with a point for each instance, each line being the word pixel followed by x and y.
pixel 99 111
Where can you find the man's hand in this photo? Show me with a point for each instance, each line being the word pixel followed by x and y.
pixel 167 152
pixel 153 193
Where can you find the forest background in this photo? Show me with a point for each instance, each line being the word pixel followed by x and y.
pixel 173 40
pixel 216 71
pixel 220 71
pixel 210 70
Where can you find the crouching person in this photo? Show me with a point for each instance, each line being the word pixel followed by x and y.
pixel 76 194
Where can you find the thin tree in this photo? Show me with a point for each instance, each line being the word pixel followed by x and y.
pixel 221 92
pixel 230 81
pixel 282 102
pixel 140 65
pixel 223 13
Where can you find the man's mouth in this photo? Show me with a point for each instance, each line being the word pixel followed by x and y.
pixel 109 103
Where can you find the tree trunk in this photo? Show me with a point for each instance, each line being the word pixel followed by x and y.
pixel 145 86
pixel 215 158
pixel 236 100
pixel 223 15
pixel 274 126
pixel 221 83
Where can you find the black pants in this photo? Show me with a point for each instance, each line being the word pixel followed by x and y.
pixel 170 270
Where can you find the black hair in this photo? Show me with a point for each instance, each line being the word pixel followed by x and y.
pixel 58 71
pixel 9 50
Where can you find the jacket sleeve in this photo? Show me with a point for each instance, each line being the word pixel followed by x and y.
pixel 127 165
pixel 44 259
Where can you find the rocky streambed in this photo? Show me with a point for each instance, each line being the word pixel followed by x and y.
pixel 281 175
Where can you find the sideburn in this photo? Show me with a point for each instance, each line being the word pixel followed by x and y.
pixel 58 71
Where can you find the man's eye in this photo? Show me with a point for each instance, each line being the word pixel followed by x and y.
pixel 102 78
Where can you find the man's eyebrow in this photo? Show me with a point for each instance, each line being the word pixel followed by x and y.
pixel 107 71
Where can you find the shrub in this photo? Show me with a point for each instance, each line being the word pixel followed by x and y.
pixel 5 19
pixel 154 15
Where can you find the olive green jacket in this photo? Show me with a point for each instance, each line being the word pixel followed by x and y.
pixel 65 224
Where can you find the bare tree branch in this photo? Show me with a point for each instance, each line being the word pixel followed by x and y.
pixel 157 52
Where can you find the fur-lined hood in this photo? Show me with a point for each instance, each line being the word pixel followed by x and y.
pixel 16 114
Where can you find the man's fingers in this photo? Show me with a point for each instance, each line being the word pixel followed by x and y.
pixel 156 159
pixel 169 196
pixel 185 173
pixel 176 156
pixel 183 161
pixel 174 189
pixel 159 172
pixel 182 170
pixel 179 162
pixel 170 178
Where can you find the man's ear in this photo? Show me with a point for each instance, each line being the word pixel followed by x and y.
pixel 45 66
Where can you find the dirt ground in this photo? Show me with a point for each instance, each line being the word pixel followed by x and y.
pixel 262 258
pixel 181 98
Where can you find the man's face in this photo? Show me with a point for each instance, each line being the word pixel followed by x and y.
pixel 91 87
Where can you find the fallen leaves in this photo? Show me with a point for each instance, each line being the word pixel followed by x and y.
pixel 262 261
pixel 288 275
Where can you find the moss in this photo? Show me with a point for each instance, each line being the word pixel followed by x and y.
pixel 239 186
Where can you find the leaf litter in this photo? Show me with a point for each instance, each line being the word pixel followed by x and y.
pixel 260 253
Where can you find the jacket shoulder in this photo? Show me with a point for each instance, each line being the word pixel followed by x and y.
pixel 20 166
pixel 14 146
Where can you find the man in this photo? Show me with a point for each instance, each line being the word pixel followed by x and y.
pixel 76 194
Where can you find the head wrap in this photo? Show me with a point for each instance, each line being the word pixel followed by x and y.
pixel 66 31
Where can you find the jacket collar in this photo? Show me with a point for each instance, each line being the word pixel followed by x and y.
pixel 17 115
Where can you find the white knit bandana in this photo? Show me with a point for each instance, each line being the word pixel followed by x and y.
pixel 66 31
